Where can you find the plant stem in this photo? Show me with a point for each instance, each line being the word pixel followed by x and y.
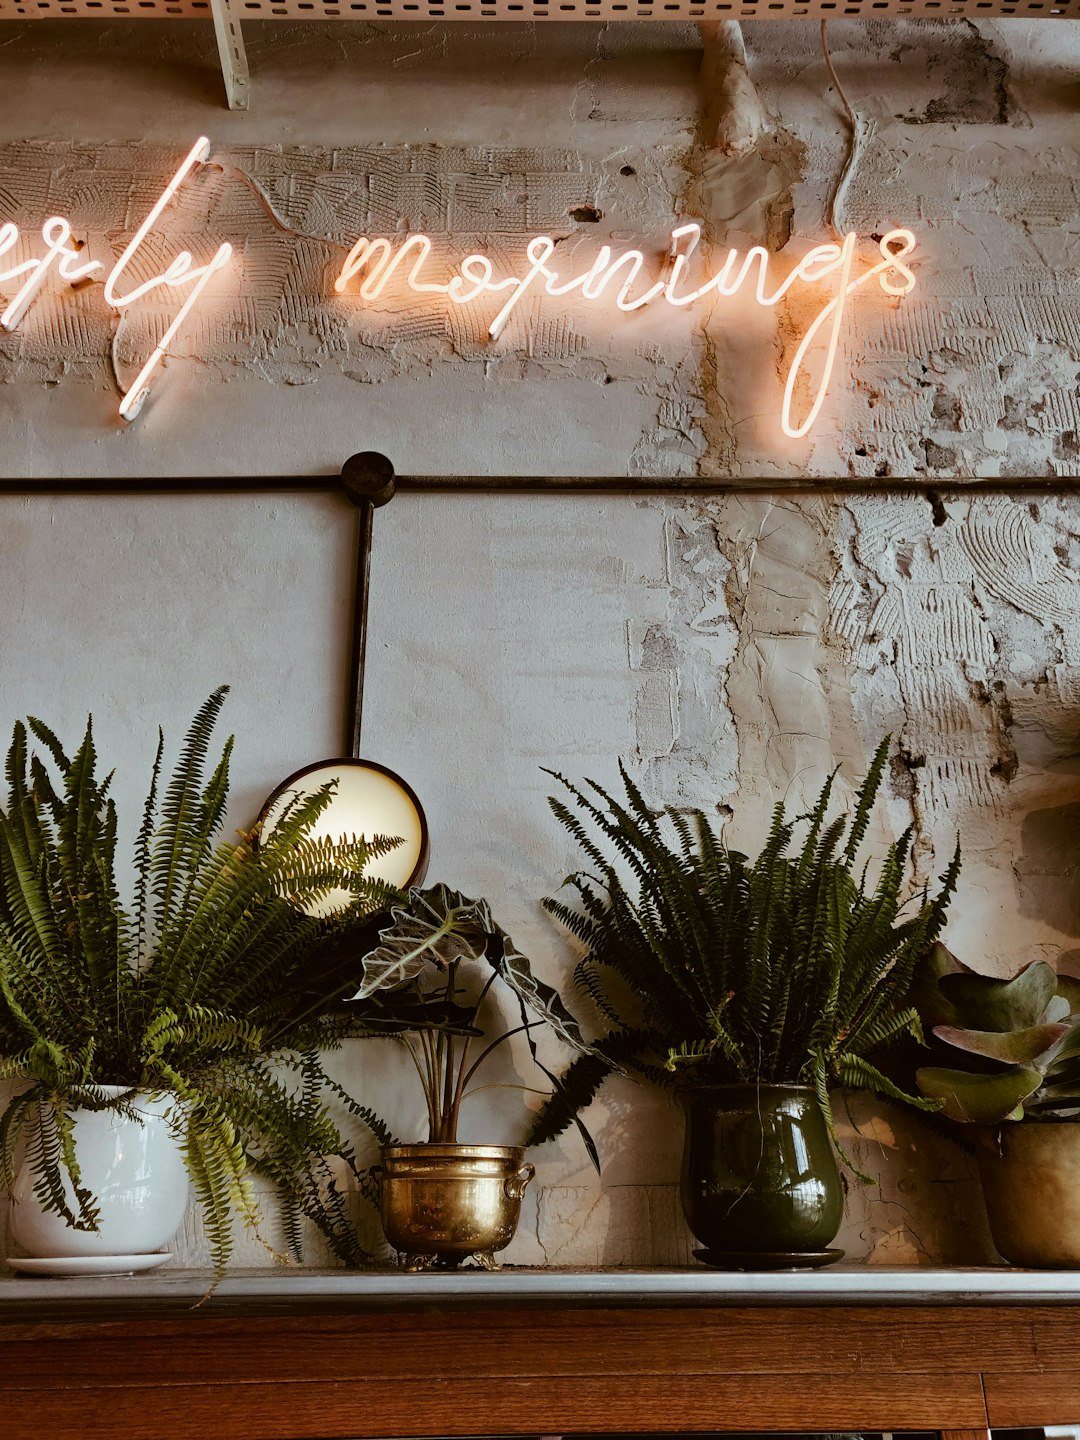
pixel 459 1087
pixel 517 1030
pixel 431 1089
pixel 438 1070
pixel 423 1080
pixel 483 994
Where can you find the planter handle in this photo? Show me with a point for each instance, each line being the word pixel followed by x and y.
pixel 515 1184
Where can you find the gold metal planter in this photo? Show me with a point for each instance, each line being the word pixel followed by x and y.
pixel 442 1203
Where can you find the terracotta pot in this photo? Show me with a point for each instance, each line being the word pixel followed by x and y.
pixel 759 1172
pixel 442 1203
pixel 1030 1173
pixel 134 1167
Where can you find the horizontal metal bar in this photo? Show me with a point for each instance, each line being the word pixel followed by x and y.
pixel 184 485
pixel 711 485
pixel 545 485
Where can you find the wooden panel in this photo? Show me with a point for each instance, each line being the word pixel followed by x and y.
pixel 1057 1338
pixel 1051 1397
pixel 551 1405
pixel 519 1343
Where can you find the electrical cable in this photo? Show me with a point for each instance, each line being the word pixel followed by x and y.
pixel 855 139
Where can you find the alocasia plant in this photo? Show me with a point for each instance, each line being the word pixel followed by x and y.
pixel 416 988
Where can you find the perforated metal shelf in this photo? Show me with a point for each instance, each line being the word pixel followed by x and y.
pixel 473 10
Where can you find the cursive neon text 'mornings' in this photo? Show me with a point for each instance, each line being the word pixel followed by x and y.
pixel 376 263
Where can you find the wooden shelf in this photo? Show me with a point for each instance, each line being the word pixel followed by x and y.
pixel 286 1356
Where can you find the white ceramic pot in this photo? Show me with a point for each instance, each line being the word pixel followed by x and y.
pixel 1030 1172
pixel 135 1170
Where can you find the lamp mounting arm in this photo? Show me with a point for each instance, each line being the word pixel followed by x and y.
pixel 368 482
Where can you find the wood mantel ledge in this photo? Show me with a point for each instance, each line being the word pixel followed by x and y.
pixel 336 1355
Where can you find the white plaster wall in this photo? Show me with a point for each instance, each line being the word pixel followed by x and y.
pixel 733 649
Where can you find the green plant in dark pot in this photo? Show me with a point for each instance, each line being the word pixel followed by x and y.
pixel 1006 1055
pixel 752 988
pixel 174 1039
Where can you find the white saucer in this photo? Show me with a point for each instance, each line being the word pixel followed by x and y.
pixel 87 1264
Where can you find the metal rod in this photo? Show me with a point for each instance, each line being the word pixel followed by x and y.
pixel 676 485
pixel 365 514
pixel 184 485
pixel 368 481
pixel 690 485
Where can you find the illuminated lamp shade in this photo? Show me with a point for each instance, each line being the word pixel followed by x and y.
pixel 368 800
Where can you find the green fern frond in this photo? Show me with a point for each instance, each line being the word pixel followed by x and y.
pixel 779 970
pixel 213 972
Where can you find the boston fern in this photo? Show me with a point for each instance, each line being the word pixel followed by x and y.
pixel 210 988
pixel 790 969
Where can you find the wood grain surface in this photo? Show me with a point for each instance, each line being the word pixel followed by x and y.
pixel 552 1404
pixel 440 1371
pixel 864 1341
pixel 1051 1397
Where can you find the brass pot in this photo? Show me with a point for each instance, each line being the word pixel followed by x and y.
pixel 442 1203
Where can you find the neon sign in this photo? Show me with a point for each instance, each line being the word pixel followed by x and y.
pixel 374 264
pixel 66 253
pixel 380 261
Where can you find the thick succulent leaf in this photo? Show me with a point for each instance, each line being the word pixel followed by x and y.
pixel 1052 1098
pixel 1068 989
pixel 926 993
pixel 1015 1047
pixel 979 1099
pixel 986 1003
pixel 1061 1080
pixel 1069 1048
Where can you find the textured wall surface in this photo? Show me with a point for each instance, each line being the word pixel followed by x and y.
pixel 731 650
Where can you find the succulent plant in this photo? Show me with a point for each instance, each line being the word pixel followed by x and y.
pixel 1012 1046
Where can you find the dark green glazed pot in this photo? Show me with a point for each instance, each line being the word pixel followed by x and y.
pixel 759 1172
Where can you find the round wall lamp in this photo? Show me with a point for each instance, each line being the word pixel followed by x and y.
pixel 368 799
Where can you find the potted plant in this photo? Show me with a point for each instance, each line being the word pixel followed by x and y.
pixel 425 985
pixel 1008 1053
pixel 172 1038
pixel 751 988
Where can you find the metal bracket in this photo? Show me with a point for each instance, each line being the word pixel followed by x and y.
pixel 234 65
